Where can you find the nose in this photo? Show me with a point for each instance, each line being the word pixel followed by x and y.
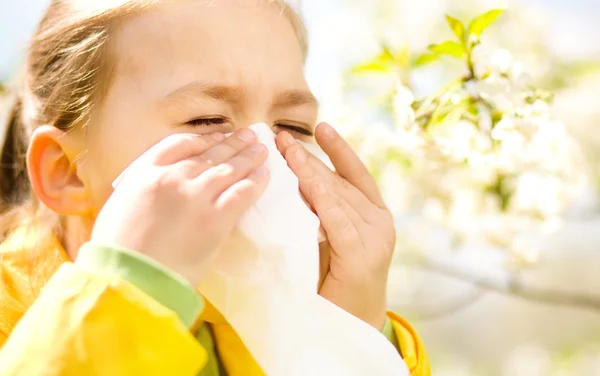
pixel 255 110
pixel 246 123
pixel 256 125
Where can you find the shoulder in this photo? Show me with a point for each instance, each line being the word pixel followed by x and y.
pixel 15 295
pixel 27 261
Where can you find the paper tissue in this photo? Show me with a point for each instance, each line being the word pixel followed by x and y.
pixel 264 283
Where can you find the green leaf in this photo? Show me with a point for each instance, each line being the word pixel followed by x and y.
pixel 387 54
pixel 395 155
pixel 425 59
pixel 372 67
pixel 444 105
pixel 449 48
pixel 455 114
pixel 425 106
pixel 482 22
pixel 399 58
pixel 402 57
pixel 385 62
pixel 457 27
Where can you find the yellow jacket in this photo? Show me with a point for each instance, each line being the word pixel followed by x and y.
pixel 78 319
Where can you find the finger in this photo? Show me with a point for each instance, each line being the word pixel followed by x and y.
pixel 215 180
pixel 284 140
pixel 218 154
pixel 338 219
pixel 324 262
pixel 179 146
pixel 238 198
pixel 230 147
pixel 173 149
pixel 307 168
pixel 347 163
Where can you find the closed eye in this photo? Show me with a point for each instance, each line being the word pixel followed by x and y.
pixel 207 121
pixel 211 121
pixel 294 129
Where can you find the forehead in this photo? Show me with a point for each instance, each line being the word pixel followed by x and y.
pixel 234 42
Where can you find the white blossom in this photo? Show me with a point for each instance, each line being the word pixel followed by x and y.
pixel 402 104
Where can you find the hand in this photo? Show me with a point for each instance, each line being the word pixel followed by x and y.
pixel 180 200
pixel 359 227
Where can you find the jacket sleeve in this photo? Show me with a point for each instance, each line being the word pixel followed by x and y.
pixel 113 312
pixel 406 340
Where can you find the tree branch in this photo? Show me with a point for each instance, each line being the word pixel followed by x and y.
pixel 442 309
pixel 507 285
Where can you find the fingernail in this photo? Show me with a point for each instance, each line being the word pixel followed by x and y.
pixel 320 188
pixel 328 130
pixel 246 135
pixel 218 136
pixel 289 139
pixel 300 155
pixel 190 136
pixel 262 171
pixel 119 178
pixel 223 169
pixel 117 181
pixel 258 148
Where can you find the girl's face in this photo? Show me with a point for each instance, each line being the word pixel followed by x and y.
pixel 195 67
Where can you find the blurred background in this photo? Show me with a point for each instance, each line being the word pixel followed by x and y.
pixel 489 156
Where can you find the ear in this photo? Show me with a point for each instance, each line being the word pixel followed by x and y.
pixel 53 172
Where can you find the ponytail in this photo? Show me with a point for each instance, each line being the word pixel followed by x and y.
pixel 14 183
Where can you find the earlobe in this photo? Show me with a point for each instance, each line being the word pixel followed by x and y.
pixel 53 172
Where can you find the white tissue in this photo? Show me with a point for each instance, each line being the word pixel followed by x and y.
pixel 317 152
pixel 264 283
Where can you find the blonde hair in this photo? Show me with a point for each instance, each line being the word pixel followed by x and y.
pixel 60 85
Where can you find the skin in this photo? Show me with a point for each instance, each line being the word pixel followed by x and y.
pixel 191 68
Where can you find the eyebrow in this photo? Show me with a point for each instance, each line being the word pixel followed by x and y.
pixel 293 98
pixel 232 94
pixel 217 92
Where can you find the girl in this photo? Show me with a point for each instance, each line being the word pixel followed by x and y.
pixel 99 281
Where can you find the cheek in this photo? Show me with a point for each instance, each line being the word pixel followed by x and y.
pixel 107 156
pixel 97 169
pixel 113 149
